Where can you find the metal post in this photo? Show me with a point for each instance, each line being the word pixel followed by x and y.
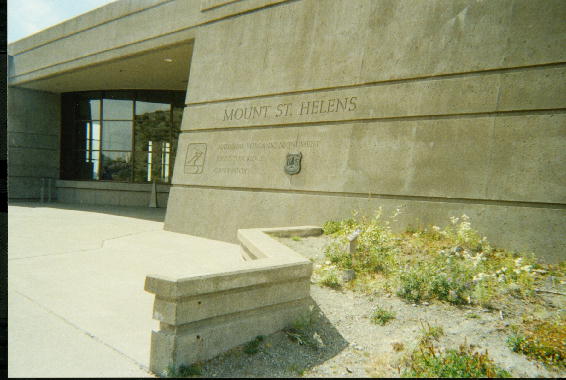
pixel 42 190
pixel 48 189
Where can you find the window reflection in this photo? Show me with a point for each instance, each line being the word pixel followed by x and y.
pixel 154 163
pixel 134 140
pixel 117 109
pixel 152 126
pixel 147 107
pixel 89 109
pixel 117 135
pixel 116 166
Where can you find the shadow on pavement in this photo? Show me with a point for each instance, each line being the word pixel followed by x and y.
pixel 147 213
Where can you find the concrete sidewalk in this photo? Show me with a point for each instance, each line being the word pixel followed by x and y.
pixel 77 307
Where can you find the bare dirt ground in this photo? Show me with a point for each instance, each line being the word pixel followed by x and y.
pixel 350 345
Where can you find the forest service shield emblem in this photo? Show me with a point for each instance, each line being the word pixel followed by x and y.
pixel 293 163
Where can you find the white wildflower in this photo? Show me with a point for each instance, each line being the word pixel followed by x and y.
pixel 436 228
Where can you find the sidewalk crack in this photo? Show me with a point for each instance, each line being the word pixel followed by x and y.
pixel 90 335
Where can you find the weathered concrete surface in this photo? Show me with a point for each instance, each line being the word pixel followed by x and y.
pixel 76 278
pixel 120 29
pixel 307 45
pixel 110 193
pixel 203 315
pixel 34 127
pixel 511 226
pixel 511 158
pixel 443 107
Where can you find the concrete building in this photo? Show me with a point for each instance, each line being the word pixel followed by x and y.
pixel 262 113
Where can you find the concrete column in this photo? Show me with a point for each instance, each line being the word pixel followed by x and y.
pixel 34 124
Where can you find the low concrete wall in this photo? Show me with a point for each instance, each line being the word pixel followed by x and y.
pixel 110 193
pixel 203 316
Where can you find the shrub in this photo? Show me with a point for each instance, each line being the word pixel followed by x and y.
pixel 336 254
pixel 381 316
pixel 184 371
pixel 298 332
pixel 413 284
pixel 542 341
pixel 430 333
pixel 252 347
pixel 454 264
pixel 330 227
pixel 331 280
pixel 427 362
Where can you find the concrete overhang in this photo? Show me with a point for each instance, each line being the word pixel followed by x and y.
pixel 126 44
pixel 166 68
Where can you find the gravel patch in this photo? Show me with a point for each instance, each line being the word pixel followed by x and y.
pixel 350 345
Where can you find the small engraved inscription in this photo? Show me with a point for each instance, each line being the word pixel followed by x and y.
pixel 194 160
pixel 293 163
pixel 247 158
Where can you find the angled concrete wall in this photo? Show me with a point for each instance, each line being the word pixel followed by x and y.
pixel 34 126
pixel 438 107
pixel 205 315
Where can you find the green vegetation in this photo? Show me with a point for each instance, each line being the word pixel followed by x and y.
pixel 381 316
pixel 425 361
pixel 453 264
pixel 184 371
pixel 300 332
pixel 331 227
pixel 296 238
pixel 544 341
pixel 252 347
pixel 330 279
pixel 430 333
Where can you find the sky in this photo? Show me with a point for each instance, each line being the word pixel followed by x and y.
pixel 27 17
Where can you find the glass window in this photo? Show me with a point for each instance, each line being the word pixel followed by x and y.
pixel 116 166
pixel 117 109
pixel 89 109
pixel 117 135
pixel 147 107
pixel 153 164
pixel 92 134
pixel 92 160
pixel 152 126
pixel 120 135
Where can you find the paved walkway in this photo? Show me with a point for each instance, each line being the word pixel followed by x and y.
pixel 76 304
